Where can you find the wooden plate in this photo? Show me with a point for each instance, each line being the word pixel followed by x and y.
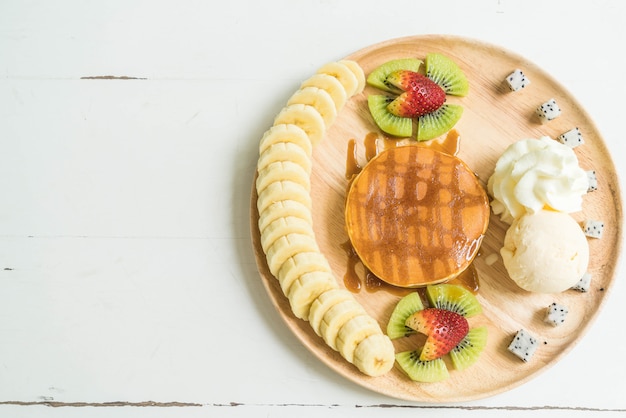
pixel 493 118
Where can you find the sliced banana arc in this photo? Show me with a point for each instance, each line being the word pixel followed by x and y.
pixel 286 133
pixel 336 317
pixel 283 190
pixel 323 303
pixel 306 288
pixel 358 73
pixel 281 209
pixel 282 170
pixel 342 73
pixel 285 220
pixel 305 116
pixel 287 246
pixel 319 99
pixel 332 85
pixel 375 355
pixel 283 227
pixel 285 151
pixel 299 265
pixel 353 332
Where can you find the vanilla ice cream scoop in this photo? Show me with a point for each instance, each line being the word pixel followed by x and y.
pixel 545 251
pixel 536 174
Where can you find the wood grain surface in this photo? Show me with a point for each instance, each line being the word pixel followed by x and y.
pixel 493 118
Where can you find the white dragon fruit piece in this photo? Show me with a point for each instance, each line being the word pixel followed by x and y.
pixel 517 80
pixel 593 228
pixel 584 283
pixel 523 345
pixel 549 110
pixel 593 181
pixel 556 314
pixel 572 138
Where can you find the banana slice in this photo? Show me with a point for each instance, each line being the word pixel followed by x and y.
pixel 282 227
pixel 288 246
pixel 323 303
pixel 298 265
pixel 319 99
pixel 336 317
pixel 375 355
pixel 353 332
pixel 342 73
pixel 331 85
pixel 282 170
pixel 283 209
pixel 306 117
pixel 358 73
pixel 284 151
pixel 306 289
pixel 286 133
pixel 283 190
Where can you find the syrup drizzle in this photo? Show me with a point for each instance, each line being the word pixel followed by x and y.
pixel 374 143
pixel 468 278
pixel 372 283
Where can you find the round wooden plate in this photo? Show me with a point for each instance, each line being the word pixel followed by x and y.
pixel 494 117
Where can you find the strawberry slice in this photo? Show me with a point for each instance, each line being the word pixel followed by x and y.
pixel 407 80
pixel 444 330
pixel 419 94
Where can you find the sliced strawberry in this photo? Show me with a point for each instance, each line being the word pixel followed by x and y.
pixel 444 329
pixel 406 80
pixel 420 95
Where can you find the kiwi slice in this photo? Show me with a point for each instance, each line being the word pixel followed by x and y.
pixel 434 124
pixel 469 348
pixel 445 72
pixel 406 307
pixel 386 121
pixel 454 298
pixel 419 370
pixel 378 77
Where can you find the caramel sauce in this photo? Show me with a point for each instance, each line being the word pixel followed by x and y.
pixel 468 279
pixel 374 143
pixel 450 144
pixel 353 281
pixel 352 165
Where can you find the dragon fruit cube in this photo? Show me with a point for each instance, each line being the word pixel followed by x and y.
pixel 556 314
pixel 593 181
pixel 549 110
pixel 571 138
pixel 583 284
pixel 593 228
pixel 523 345
pixel 517 80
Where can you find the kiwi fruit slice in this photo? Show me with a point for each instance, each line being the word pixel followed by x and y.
pixel 445 72
pixel 419 370
pixel 386 121
pixel 434 124
pixel 378 77
pixel 454 298
pixel 469 348
pixel 406 307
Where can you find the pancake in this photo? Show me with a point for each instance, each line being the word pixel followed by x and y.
pixel 416 216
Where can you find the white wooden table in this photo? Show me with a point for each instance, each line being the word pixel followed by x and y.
pixel 128 142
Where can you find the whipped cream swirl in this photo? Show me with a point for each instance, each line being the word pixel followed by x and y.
pixel 536 174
